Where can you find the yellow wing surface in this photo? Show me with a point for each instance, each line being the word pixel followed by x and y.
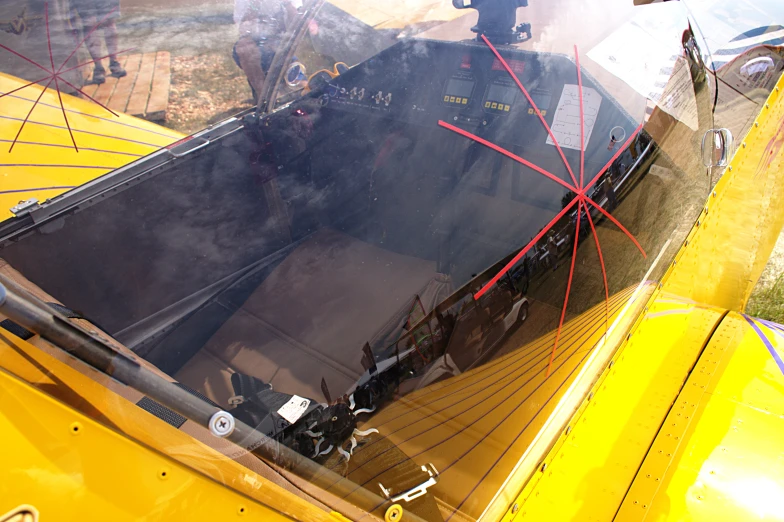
pixel 38 157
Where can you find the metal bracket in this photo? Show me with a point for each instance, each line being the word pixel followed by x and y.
pixel 24 206
pixel 417 491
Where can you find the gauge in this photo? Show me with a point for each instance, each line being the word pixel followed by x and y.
pixel 458 90
pixel 500 97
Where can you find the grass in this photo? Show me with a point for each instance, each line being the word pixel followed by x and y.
pixel 768 302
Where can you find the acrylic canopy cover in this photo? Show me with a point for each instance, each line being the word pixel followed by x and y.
pixel 394 255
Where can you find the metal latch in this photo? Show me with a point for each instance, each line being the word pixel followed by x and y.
pixel 716 148
pixel 24 206
pixel 416 491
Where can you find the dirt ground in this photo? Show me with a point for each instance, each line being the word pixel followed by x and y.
pixel 207 86
pixel 205 89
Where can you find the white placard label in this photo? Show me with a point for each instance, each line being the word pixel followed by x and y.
pixel 566 122
pixel 293 410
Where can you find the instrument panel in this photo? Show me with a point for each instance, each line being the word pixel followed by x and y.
pixel 423 82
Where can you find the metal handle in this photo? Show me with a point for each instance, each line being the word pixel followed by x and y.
pixel 184 148
pixel 721 142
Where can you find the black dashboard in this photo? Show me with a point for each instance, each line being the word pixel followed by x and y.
pixel 422 82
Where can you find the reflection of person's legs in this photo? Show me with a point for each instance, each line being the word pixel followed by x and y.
pixel 248 56
pixel 93 45
pixel 98 16
pixel 110 35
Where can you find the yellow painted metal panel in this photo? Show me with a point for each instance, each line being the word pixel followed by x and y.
pixel 71 383
pixel 398 14
pixel 741 221
pixel 718 265
pixel 719 454
pixel 70 467
pixel 587 478
pixel 44 162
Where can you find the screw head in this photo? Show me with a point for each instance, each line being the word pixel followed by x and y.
pixel 394 513
pixel 222 424
pixel 515 509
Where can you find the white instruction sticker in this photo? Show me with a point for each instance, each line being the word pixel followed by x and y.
pixel 566 122
pixel 293 410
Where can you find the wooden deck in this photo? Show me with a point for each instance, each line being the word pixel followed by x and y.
pixel 144 92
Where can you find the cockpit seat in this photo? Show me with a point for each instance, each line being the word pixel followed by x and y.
pixel 310 318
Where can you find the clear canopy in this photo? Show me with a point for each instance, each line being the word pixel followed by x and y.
pixel 396 232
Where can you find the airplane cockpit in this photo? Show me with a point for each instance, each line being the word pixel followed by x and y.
pixel 396 264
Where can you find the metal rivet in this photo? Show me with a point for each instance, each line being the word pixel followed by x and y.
pixel 568 430
pixel 744 144
pixel 222 424
pixel 590 396
pixel 756 124
pixel 515 509
pixel 767 105
pixel 699 223
pixel 612 363
pixel 544 466
pixel 730 168
pixel 714 193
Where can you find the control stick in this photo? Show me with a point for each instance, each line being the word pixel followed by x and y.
pixel 497 20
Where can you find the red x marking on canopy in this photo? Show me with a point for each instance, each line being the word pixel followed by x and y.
pixel 581 199
pixel 56 75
